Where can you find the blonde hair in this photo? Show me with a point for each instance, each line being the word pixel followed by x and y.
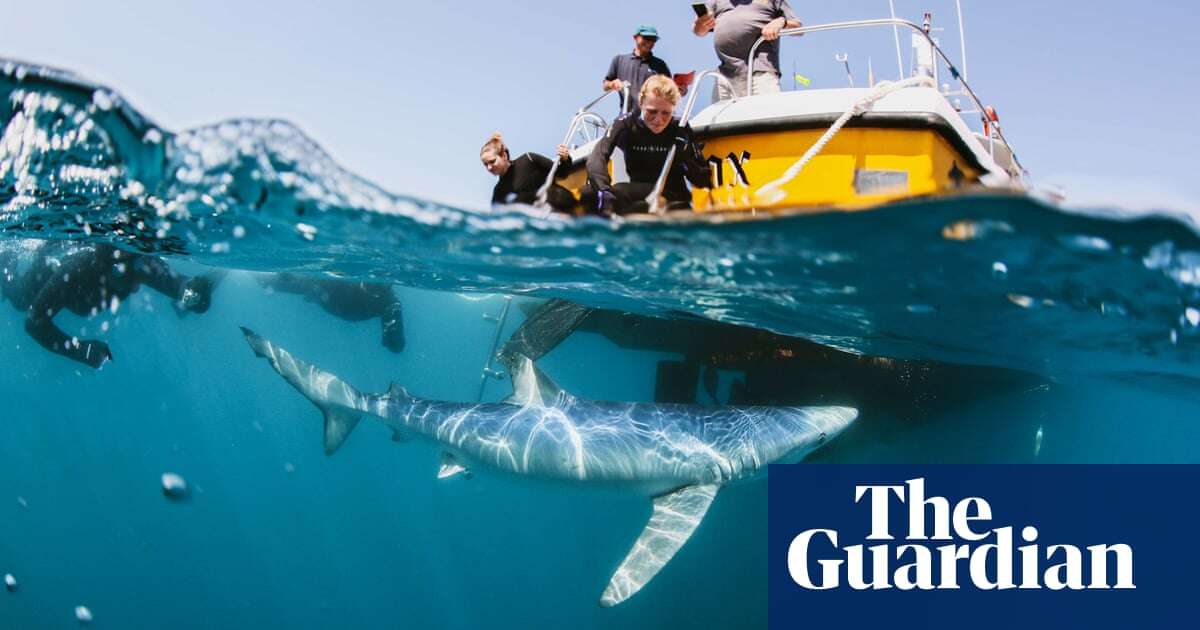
pixel 496 145
pixel 662 87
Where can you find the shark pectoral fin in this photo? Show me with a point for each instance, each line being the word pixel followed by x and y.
pixel 339 422
pixel 675 517
pixel 451 467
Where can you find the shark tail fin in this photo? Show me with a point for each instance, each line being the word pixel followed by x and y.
pixel 340 402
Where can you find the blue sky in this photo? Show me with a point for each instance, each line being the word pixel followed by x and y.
pixel 1095 96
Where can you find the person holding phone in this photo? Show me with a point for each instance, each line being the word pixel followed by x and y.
pixel 633 69
pixel 737 25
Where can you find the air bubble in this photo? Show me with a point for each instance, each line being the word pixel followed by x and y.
pixel 83 614
pixel 1192 317
pixel 1083 242
pixel 102 100
pixel 174 487
pixel 999 270
pixel 1024 301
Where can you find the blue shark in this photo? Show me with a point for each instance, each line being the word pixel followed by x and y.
pixel 677 455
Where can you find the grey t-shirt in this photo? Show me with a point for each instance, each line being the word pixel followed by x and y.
pixel 739 25
pixel 634 70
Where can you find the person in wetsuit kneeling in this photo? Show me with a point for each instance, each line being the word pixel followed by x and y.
pixel 645 139
pixel 522 178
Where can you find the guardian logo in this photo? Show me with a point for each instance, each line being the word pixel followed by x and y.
pixel 948 545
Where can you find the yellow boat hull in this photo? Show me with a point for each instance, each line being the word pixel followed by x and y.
pixel 859 168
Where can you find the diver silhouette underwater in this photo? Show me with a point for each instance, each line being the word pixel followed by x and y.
pixel 350 301
pixel 85 280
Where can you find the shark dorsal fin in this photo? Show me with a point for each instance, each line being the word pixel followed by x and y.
pixel 531 386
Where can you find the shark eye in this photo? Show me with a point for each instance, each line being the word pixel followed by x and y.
pixel 821 438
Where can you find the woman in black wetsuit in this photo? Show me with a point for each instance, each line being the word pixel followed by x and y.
pixel 645 139
pixel 520 179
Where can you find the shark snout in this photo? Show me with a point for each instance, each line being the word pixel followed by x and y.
pixel 837 419
pixel 823 424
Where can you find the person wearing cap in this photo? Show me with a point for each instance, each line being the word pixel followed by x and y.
pixel 737 25
pixel 633 69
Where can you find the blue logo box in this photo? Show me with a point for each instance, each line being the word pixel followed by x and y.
pixel 983 546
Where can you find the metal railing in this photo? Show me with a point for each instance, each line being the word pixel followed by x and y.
pixel 654 199
pixel 584 114
pixel 487 372
pixel 837 26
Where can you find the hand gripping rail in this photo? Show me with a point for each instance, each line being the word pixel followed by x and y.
pixel 584 114
pixel 654 200
pixel 837 26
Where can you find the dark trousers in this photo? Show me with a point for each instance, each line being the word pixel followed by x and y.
pixel 631 198
pixel 561 199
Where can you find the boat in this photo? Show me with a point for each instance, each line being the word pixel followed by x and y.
pixel 837 148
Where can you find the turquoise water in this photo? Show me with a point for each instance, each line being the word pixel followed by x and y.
pixel 997 330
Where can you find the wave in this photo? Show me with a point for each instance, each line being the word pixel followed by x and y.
pixel 1009 281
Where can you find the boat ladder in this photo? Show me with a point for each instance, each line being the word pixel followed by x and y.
pixel 487 371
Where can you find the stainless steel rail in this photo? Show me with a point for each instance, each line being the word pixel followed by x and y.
pixel 499 320
pixel 584 114
pixel 837 26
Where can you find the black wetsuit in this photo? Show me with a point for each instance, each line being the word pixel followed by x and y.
pixel 351 301
pixel 525 177
pixel 644 154
pixel 84 280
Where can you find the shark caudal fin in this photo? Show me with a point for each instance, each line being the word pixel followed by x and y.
pixel 342 404
pixel 676 515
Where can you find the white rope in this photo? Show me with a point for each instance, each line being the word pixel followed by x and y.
pixel 772 192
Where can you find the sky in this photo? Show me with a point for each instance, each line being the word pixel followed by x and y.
pixel 1094 96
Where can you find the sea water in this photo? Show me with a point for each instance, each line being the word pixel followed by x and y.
pixel 975 329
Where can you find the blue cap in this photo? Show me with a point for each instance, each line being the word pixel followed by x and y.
pixel 645 30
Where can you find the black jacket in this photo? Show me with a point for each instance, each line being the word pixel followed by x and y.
pixel 524 177
pixel 645 152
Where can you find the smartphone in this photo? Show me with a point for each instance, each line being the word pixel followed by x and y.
pixel 700 8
